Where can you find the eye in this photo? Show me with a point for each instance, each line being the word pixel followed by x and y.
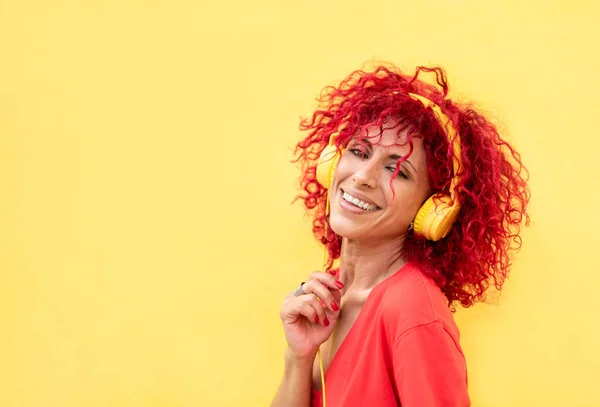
pixel 358 152
pixel 401 173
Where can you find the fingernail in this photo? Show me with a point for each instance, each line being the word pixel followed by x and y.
pixel 326 321
pixel 339 284
pixel 335 306
pixel 317 319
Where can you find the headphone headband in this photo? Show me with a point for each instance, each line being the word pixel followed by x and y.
pixel 451 135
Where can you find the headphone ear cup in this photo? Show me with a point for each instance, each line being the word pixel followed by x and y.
pixel 326 165
pixel 435 217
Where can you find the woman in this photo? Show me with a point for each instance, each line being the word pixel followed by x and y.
pixel 418 202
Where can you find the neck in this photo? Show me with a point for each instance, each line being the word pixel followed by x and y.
pixel 365 264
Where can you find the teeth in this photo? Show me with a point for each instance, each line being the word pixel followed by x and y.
pixel 358 202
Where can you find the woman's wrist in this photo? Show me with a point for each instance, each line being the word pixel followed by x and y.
pixel 299 360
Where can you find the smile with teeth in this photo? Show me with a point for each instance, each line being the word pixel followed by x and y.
pixel 357 202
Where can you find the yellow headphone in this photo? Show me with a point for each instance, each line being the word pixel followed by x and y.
pixel 435 218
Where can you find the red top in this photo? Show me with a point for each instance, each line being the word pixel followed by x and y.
pixel 403 350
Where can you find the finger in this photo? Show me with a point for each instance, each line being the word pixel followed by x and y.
pixel 306 310
pixel 320 308
pixel 291 309
pixel 337 296
pixel 327 279
pixel 317 288
pixel 311 308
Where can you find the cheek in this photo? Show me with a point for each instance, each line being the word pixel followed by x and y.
pixel 406 202
pixel 343 169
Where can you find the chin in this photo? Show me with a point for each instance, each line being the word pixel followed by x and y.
pixel 346 228
pixel 355 230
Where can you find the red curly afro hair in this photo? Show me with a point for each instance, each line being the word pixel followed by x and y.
pixel 492 190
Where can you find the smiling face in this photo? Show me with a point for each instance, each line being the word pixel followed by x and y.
pixel 363 205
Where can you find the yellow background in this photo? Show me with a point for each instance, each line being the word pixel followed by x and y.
pixel 147 232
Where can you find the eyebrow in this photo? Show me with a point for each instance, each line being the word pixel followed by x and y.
pixel 393 156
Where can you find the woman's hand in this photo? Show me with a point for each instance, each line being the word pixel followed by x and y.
pixel 309 319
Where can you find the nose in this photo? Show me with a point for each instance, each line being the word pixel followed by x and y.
pixel 365 175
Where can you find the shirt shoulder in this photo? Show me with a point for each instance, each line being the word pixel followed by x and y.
pixel 411 299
